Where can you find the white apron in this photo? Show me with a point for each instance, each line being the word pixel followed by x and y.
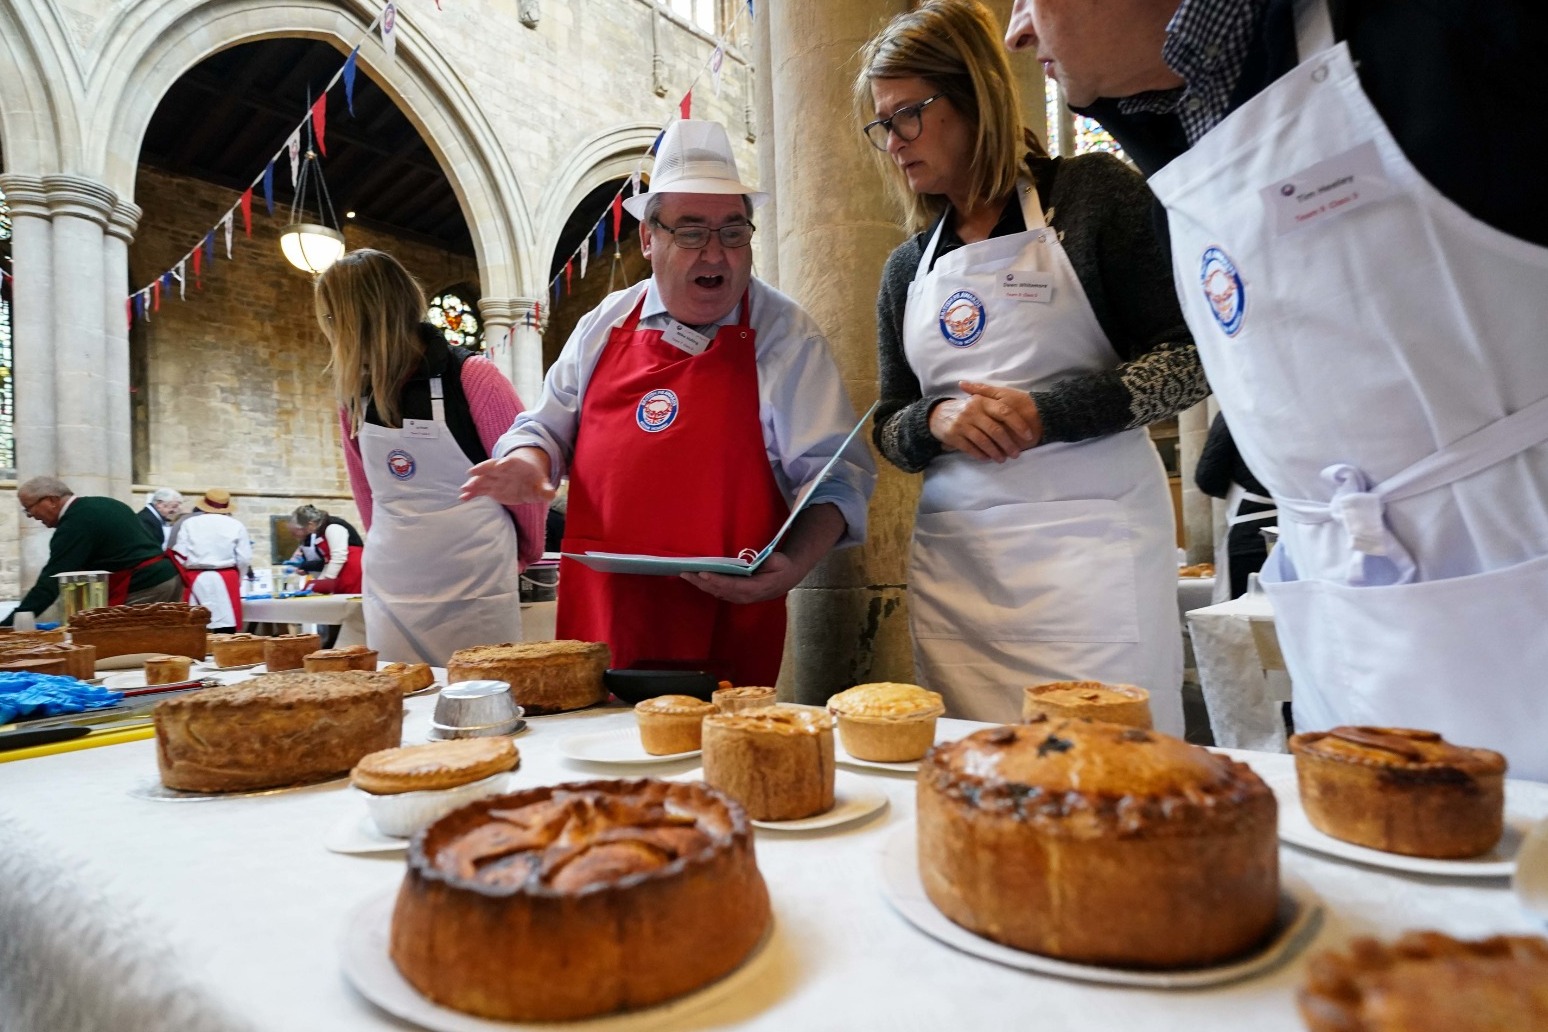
pixel 1378 354
pixel 440 575
pixel 1056 565
pixel 1235 496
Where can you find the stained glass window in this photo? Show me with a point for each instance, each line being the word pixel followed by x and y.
pixel 457 320
pixel 1090 136
pixel 1069 133
pixel 7 379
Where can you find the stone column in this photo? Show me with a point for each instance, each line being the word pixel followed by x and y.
pixel 81 209
pixel 511 324
pixel 32 351
pixel 767 242
pixel 848 620
pixel 115 286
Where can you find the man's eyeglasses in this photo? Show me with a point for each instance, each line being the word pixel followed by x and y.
pixel 905 121
pixel 694 238
pixel 26 508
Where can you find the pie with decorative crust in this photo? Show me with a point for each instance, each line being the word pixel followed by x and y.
pixel 671 723
pixel 1087 700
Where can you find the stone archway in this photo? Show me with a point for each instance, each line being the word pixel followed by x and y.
pixel 613 154
pixel 152 47
pixel 36 124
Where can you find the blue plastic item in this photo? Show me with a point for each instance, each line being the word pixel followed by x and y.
pixel 24 696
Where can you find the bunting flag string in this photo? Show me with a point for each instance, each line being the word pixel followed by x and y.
pixel 561 283
pixel 247 211
pixel 320 123
pixel 180 275
pixel 268 187
pixel 294 146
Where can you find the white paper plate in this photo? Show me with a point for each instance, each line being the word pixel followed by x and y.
pixel 357 834
pixel 429 689
pixel 131 661
pixel 127 680
pixel 1531 878
pixel 621 745
pixel 155 791
pixel 369 968
pixel 1296 829
pixel 1300 915
pixel 840 756
pixel 853 798
pixel 210 665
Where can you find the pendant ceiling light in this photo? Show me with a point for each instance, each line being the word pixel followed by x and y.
pixel 312 246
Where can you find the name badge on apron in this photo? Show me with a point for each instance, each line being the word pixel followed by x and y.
pixel 424 429
pixel 1330 188
pixel 1025 286
pixel 685 339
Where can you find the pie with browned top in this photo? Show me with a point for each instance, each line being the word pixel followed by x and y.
pixel 545 676
pixel 433 765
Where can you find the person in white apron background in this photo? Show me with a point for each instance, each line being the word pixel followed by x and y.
pixel 1221 473
pixel 439 575
pixel 1364 274
pixel 213 551
pixel 1027 335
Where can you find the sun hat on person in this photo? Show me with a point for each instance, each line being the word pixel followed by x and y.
pixel 216 499
pixel 694 157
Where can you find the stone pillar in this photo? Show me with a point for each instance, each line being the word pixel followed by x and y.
pixel 81 209
pixel 767 242
pixel 515 343
pixel 32 349
pixel 848 620
pixel 115 288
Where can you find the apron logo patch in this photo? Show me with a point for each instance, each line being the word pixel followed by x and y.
pixel 962 319
pixel 657 411
pixel 1223 289
pixel 400 464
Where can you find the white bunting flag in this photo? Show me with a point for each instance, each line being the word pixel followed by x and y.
pixel 225 224
pixel 294 146
pixel 182 280
pixel 389 27
pixel 583 251
pixel 717 59
pixel 634 180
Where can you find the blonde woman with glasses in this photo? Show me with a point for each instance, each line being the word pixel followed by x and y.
pixel 439 574
pixel 1027 332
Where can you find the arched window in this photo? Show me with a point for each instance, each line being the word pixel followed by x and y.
pixel 7 377
pixel 456 316
pixel 699 13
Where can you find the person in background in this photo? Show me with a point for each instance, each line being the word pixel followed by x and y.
pixel 213 552
pixel 687 411
pixel 330 549
pixel 438 575
pixel 1027 333
pixel 1366 290
pixel 162 509
pixel 554 539
pixel 94 533
pixel 1221 473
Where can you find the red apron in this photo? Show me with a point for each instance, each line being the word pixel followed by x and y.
pixel 118 580
pixel 670 460
pixel 349 578
pixel 229 576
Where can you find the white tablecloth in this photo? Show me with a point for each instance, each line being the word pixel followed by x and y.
pixel 1243 699
pixel 343 610
pixel 131 914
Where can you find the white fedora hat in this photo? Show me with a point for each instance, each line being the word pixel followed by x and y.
pixel 694 157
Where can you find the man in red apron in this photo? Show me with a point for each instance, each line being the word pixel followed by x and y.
pixel 1367 298
pixel 213 551
pixel 687 411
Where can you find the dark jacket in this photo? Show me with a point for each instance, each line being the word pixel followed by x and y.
pixel 97 534
pixel 154 524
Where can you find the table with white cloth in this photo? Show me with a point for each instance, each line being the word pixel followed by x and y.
pixel 1245 701
pixel 312 610
pixel 126 913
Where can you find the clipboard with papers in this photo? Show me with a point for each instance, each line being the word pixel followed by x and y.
pixel 743 565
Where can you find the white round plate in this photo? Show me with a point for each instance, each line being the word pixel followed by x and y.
pixel 127 680
pixel 1300 915
pixel 1531 878
pixel 357 834
pixel 210 666
pixel 157 792
pixel 369 968
pixel 1296 829
pixel 429 689
pixel 840 756
pixel 853 799
pixel 128 661
pixel 621 745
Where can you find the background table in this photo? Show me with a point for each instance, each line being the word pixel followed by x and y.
pixel 1244 700
pixel 343 610
pixel 131 914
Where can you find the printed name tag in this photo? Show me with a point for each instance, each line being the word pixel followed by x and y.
pixel 680 336
pixel 427 429
pixel 1327 189
pixel 1025 286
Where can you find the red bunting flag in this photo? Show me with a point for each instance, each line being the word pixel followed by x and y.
pixel 617 215
pixel 129 311
pixel 686 105
pixel 156 295
pixel 198 256
pixel 567 266
pixel 247 218
pixel 320 121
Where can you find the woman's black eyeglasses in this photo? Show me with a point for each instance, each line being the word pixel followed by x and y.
pixel 905 121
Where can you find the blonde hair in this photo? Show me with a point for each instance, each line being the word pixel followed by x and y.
pixel 370 308
pixel 955 46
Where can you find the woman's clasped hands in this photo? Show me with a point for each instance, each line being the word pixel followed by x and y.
pixel 991 423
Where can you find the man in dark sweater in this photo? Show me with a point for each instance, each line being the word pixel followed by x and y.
pixel 94 534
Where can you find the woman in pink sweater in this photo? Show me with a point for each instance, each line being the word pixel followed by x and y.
pixel 415 413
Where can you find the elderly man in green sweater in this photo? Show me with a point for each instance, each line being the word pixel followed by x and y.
pixel 95 534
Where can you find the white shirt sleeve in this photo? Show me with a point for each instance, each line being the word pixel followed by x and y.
pixel 551 423
pixel 338 551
